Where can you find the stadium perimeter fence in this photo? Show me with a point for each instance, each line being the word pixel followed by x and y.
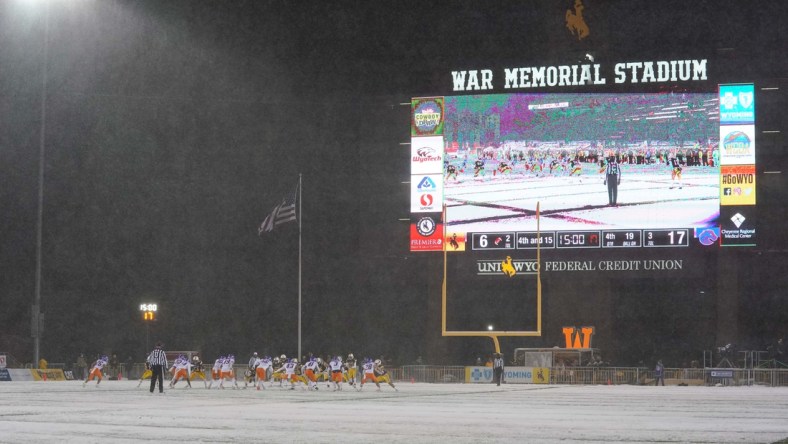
pixel 611 375
pixel 437 374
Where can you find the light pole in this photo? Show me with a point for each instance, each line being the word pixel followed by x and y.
pixel 148 311
pixel 36 316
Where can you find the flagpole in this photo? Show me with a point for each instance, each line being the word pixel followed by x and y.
pixel 300 219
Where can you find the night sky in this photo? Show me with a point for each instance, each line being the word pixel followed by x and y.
pixel 171 129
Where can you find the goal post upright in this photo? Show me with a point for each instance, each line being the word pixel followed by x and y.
pixel 494 335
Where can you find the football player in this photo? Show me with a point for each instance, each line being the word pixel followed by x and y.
pixel 216 371
pixel 369 373
pixel 198 371
pixel 228 372
pixel 351 367
pixel 182 368
pixel 95 370
pixel 382 374
pixel 675 173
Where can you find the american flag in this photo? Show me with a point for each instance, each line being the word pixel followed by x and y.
pixel 282 213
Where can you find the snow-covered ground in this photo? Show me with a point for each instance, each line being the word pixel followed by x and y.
pixel 118 411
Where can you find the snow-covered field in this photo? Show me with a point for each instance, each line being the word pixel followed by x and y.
pixel 118 411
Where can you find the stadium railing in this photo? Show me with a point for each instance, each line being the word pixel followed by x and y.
pixel 428 373
pixel 437 374
pixel 609 375
pixel 11 361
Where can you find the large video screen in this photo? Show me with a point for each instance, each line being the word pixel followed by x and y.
pixel 507 152
pixel 635 170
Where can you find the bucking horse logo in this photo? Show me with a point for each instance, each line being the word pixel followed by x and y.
pixel 575 23
pixel 507 267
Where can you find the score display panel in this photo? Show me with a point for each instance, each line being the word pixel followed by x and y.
pixel 528 240
pixel 686 164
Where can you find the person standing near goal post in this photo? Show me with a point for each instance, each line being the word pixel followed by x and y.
pixel 498 369
pixel 158 362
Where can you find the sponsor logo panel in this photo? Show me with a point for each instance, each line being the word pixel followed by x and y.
pixel 737 185
pixel 737 226
pixel 426 232
pixel 737 104
pixel 427 115
pixel 426 193
pixel 511 375
pixel 737 145
pixel 426 155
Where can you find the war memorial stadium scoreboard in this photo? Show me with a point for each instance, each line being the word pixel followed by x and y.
pixel 490 158
pixel 484 160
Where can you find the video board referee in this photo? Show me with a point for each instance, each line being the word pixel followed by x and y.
pixel 158 362
pixel 612 180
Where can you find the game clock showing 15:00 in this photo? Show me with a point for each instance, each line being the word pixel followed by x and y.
pixel 577 239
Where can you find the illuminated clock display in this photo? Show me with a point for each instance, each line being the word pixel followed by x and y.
pixel 148 307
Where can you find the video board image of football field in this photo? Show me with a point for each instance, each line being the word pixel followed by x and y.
pixel 505 153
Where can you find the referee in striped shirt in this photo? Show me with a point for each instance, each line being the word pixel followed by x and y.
pixel 158 362
pixel 498 369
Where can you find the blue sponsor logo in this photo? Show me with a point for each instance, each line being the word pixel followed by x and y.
pixel 722 373
pixel 4 375
pixel 737 143
pixel 708 235
pixel 426 184
pixel 737 104
pixel 518 374
pixel 478 374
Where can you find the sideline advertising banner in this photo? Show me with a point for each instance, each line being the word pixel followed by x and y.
pixel 20 374
pixel 31 374
pixel 54 374
pixel 511 375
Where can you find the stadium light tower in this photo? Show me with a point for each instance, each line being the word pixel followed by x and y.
pixel 148 311
pixel 37 317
